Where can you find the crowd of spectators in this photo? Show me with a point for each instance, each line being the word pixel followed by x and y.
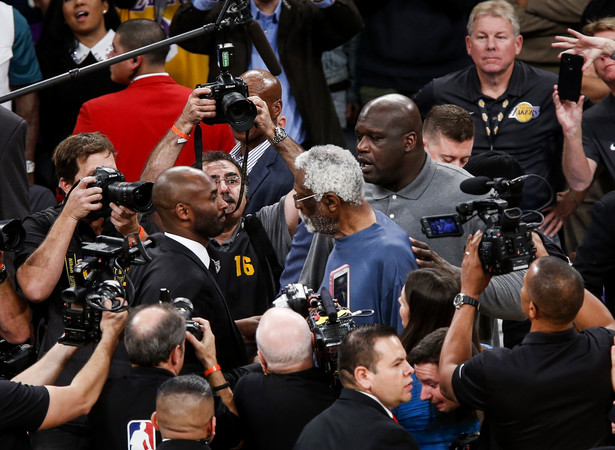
pixel 199 319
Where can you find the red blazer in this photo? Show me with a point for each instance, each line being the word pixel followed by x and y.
pixel 136 118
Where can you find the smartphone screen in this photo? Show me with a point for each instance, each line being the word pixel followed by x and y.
pixel 339 285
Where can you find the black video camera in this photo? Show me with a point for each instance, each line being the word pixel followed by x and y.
pixel 506 245
pixel 230 94
pixel 136 196
pixel 98 277
pixel 185 308
pixel 12 235
pixel 330 323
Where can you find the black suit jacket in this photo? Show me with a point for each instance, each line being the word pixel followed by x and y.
pixel 354 421
pixel 178 269
pixel 274 408
pixel 305 32
pixel 270 179
pixel 13 177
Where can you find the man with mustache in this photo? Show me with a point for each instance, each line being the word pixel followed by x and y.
pixel 329 195
pixel 250 249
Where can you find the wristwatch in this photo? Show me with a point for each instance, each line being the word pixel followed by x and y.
pixel 30 166
pixel 3 274
pixel 280 135
pixel 462 299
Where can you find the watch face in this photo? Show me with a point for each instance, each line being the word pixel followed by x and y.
pixel 458 300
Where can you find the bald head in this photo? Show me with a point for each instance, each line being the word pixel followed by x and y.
pixel 284 341
pixel 389 141
pixel 187 199
pixel 397 110
pixel 264 85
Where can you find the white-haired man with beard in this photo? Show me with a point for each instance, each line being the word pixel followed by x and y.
pixel 329 197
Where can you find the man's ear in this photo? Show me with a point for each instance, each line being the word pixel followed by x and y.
pixel 183 211
pixel 532 311
pixel 331 202
pixel 409 141
pixel 211 428
pixel 176 355
pixel 276 109
pixel 362 376
pixel 262 360
pixel 154 420
pixel 65 185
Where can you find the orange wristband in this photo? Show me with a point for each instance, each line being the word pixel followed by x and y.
pixel 180 133
pixel 141 232
pixel 211 370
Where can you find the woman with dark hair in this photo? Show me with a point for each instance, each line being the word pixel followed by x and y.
pixel 426 304
pixel 75 34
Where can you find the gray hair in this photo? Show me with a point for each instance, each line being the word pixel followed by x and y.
pixel 494 8
pixel 283 338
pixel 151 345
pixel 329 168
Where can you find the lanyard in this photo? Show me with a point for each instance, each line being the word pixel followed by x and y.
pixel 485 116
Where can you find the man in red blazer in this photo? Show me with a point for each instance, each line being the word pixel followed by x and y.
pixel 136 118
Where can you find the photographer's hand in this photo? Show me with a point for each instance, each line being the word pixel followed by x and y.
pixel 126 221
pixel 83 199
pixel 474 280
pixel 167 150
pixel 195 110
pixel 40 273
pixel 263 120
pixel 206 353
pixel 205 349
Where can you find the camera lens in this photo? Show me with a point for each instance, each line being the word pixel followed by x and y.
pixel 183 306
pixel 238 110
pixel 136 196
pixel 11 234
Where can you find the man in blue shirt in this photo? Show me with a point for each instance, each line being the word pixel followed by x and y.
pixel 329 186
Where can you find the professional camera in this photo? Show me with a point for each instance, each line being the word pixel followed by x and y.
pixel 136 196
pixel 506 245
pixel 15 358
pixel 184 307
pixel 98 277
pixel 12 234
pixel 230 94
pixel 329 322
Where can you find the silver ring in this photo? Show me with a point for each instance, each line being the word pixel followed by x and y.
pixel 467 253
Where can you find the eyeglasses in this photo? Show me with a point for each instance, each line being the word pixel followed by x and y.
pixel 297 200
pixel 230 180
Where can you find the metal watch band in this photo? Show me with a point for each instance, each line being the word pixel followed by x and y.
pixel 280 135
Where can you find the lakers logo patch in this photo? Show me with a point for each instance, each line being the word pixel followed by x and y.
pixel 524 112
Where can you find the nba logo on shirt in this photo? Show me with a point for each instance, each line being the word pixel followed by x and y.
pixel 141 435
